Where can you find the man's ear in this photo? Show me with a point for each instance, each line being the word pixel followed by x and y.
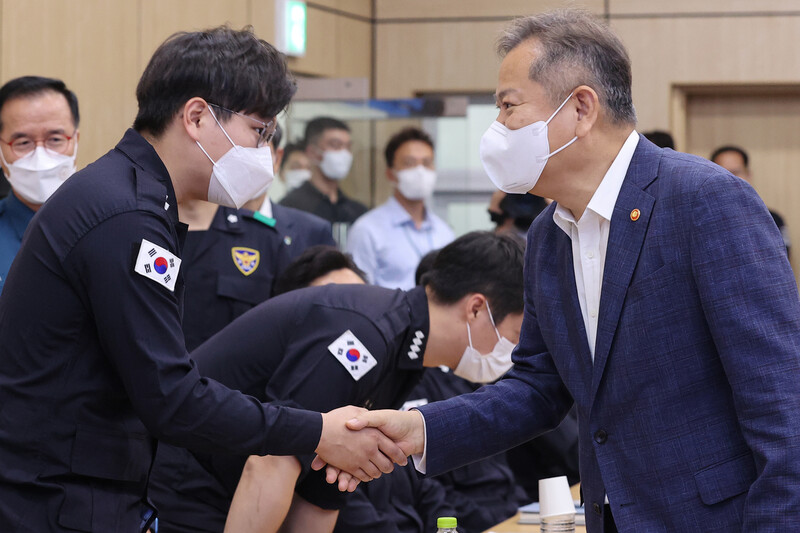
pixel 391 176
pixel 194 116
pixel 475 303
pixel 588 109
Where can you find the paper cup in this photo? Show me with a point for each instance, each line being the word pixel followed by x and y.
pixel 554 497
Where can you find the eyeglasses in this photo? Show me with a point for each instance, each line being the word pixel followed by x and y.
pixel 265 132
pixel 55 142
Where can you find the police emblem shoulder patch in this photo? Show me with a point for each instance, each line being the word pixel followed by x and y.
pixel 245 259
pixel 158 264
pixel 353 355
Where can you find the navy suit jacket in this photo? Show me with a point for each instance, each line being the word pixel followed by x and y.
pixel 690 412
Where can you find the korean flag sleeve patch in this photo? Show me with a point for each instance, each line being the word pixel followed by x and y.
pixel 158 264
pixel 353 355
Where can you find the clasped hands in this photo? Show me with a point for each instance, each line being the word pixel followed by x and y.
pixel 359 445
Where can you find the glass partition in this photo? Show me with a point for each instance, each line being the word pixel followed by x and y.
pixel 456 124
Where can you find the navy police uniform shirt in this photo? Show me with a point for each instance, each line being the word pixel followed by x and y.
pixel 483 493
pixel 231 267
pixel 400 502
pixel 318 348
pixel 93 366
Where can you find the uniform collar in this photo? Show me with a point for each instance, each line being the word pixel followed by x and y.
pixel 399 216
pixel 228 219
pixel 144 156
pixel 416 339
pixel 19 215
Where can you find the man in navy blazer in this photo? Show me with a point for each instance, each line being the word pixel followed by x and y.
pixel 680 350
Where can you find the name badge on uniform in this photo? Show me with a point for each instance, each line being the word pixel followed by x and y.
pixel 353 355
pixel 158 264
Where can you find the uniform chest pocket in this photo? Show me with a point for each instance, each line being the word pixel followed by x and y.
pixel 250 290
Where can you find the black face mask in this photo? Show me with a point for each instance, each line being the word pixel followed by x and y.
pixel 497 218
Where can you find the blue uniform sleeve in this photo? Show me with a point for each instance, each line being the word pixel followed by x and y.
pixel 139 329
pixel 279 350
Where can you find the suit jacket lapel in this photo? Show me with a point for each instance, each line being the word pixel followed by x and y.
pixel 625 239
pixel 572 308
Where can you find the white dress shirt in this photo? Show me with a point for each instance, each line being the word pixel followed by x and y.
pixel 589 237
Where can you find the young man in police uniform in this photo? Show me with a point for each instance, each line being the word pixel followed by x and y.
pixel 339 345
pixel 91 379
pixel 232 257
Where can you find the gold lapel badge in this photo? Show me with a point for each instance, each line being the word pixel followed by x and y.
pixel 635 214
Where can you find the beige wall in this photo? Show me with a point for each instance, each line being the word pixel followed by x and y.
pixel 100 47
pixel 448 45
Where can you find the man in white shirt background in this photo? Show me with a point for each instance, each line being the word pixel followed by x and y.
pixel 388 242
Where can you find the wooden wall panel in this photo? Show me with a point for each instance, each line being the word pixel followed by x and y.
pixel 338 46
pixel 360 8
pixel 766 127
pixel 91 45
pixel 658 7
pixel 425 9
pixel 667 51
pixel 436 57
pixel 161 19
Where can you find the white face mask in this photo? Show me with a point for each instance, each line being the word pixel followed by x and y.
pixel 240 175
pixel 514 159
pixel 295 178
pixel 485 368
pixel 416 183
pixel 36 176
pixel 336 164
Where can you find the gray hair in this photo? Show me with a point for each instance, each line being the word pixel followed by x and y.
pixel 576 48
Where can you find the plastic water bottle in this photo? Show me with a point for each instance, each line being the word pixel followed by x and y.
pixel 446 524
pixel 563 523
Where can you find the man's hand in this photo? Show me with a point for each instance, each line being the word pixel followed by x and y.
pixel 405 428
pixel 364 453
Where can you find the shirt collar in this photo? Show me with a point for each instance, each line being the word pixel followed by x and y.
pixel 605 197
pixel 266 208
pixel 399 216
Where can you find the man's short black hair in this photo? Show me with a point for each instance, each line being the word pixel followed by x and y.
pixel 316 127
pixel 289 149
pixel 480 262
pixel 28 86
pixel 400 138
pixel 662 139
pixel 316 261
pixel 424 266
pixel 230 68
pixel 731 148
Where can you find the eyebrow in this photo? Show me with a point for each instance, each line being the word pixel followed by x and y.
pixel 499 96
pixel 19 135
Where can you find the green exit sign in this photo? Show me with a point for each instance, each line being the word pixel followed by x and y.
pixel 295 27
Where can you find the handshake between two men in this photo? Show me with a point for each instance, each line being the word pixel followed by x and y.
pixel 359 445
